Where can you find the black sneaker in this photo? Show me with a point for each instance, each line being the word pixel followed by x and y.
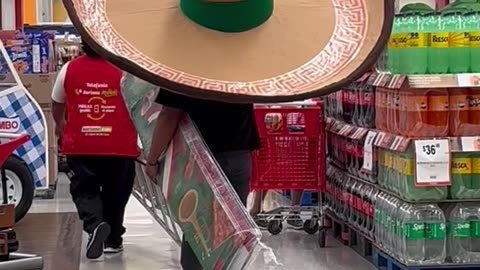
pixel 113 249
pixel 96 241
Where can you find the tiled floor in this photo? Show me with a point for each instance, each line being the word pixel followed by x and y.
pixel 147 246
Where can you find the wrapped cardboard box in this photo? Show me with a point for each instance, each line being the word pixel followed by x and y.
pixel 40 86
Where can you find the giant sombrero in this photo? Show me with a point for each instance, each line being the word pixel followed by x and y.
pixel 238 50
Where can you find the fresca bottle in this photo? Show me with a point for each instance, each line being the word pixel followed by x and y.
pixel 472 25
pixel 438 45
pixel 414 56
pixel 459 41
pixel 395 45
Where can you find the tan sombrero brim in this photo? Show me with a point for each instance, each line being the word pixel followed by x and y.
pixel 307 48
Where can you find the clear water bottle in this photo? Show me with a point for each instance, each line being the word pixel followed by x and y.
pixel 459 242
pixel 414 235
pixel 395 233
pixel 435 234
pixel 379 217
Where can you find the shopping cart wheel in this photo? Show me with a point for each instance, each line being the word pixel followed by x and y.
pixel 275 227
pixel 311 226
pixel 322 238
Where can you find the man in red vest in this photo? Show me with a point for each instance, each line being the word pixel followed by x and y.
pixel 100 142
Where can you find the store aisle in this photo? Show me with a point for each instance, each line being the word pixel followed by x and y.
pixel 148 247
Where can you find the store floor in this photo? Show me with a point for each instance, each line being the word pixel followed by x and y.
pixel 147 246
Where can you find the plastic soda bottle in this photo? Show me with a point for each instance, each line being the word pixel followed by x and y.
pixel 472 25
pixel 414 235
pixel 380 108
pixel 459 39
pixel 461 176
pixel 439 45
pixel 417 112
pixel 414 56
pixel 474 112
pixel 459 236
pixel 438 113
pixel 475 175
pixel 459 111
pixel 395 45
pixel 435 235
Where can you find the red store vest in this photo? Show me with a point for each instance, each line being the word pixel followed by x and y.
pixel 98 122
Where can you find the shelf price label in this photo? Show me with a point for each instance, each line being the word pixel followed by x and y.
pixel 368 154
pixel 470 144
pixel 432 163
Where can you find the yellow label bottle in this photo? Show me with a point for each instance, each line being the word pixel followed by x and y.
pixel 439 40
pixel 461 176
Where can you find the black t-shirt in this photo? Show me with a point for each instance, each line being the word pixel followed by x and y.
pixel 224 126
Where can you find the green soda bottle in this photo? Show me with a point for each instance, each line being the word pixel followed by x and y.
pixel 475 175
pixel 459 42
pixel 395 45
pixel 461 176
pixel 415 55
pixel 438 45
pixel 472 25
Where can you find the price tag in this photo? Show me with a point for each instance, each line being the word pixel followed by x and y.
pixel 432 162
pixel 368 151
pixel 468 80
pixel 470 144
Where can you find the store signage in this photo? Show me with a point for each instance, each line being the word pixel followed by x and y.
pixel 9 125
pixel 432 162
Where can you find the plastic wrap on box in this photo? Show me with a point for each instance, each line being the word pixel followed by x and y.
pixel 198 196
pixel 413 112
pixel 465 176
pixel 397 174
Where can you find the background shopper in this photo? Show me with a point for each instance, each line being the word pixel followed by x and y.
pixel 100 142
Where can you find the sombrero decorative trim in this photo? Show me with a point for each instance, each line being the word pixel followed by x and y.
pixel 324 73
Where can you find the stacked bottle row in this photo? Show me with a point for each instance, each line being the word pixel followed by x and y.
pixel 426 42
pixel 353 105
pixel 428 112
pixel 428 233
pixel 396 173
pixel 351 200
pixel 414 234
pixel 348 154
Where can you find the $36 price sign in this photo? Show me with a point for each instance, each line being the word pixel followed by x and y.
pixel 432 162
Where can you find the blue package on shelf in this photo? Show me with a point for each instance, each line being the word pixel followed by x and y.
pixel 307 198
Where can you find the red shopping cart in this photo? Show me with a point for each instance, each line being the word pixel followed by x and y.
pixel 291 157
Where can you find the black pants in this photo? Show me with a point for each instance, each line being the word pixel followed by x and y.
pixel 101 187
pixel 237 166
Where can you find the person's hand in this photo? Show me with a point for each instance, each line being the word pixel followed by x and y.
pixel 152 171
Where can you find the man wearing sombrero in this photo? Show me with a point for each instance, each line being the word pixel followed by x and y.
pixel 234 52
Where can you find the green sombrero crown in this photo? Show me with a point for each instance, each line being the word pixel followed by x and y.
pixel 228 15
